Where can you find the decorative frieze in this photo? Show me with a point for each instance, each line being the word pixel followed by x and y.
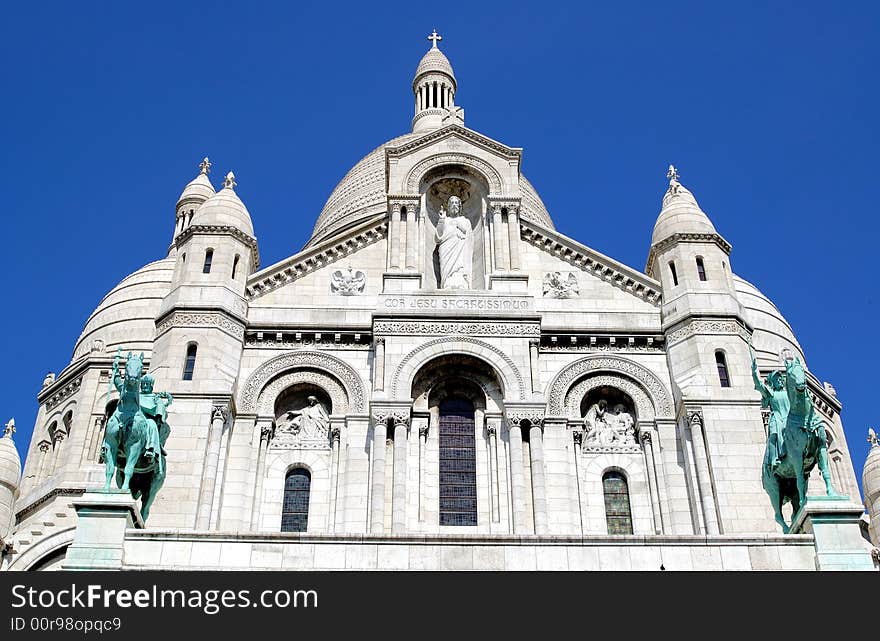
pixel 585 343
pixel 286 339
pixel 63 392
pixel 201 319
pixel 708 326
pixel 561 285
pixel 445 328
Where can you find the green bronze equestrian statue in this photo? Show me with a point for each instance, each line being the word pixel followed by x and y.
pixel 796 439
pixel 135 436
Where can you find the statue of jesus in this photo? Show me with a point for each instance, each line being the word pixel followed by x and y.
pixel 454 246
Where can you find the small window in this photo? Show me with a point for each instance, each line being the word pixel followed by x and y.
pixel 295 509
pixel 618 515
pixel 701 269
pixel 235 266
pixel 209 257
pixel 190 365
pixel 673 272
pixel 183 258
pixel 723 374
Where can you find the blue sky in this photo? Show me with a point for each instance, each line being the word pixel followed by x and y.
pixel 768 109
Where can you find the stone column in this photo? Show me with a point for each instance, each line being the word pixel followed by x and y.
pixel 398 490
pixel 412 214
pixel 219 414
pixel 647 448
pixel 578 438
pixel 533 362
pixel 379 365
pixel 57 443
pixel 517 478
pixel 539 482
pixel 701 461
pixel 492 425
pixel 266 433
pixel 377 491
pixel 334 477
pixel 513 235
pixel 394 238
pixel 498 230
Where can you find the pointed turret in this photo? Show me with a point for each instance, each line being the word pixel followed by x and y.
pixel 10 478
pixel 871 485
pixel 434 87
pixel 196 192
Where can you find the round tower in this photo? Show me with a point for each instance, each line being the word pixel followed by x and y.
pixel 434 89
pixel 196 192
pixel 10 477
pixel 871 486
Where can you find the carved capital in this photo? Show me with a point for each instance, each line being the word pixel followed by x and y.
pixel 334 434
pixel 380 341
pixel 44 446
pixel 695 419
pixel 423 431
pixel 645 437
pixel 219 413
pixel 267 431
pixel 58 436
pixel 578 437
pixel 491 430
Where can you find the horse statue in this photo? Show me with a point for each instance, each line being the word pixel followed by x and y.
pixel 133 444
pixel 796 439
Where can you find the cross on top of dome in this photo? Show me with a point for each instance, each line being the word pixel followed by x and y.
pixel 434 38
pixel 205 166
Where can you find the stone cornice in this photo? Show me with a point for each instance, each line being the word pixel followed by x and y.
pixel 684 238
pixel 511 153
pixel 592 262
pixel 313 258
pixel 229 230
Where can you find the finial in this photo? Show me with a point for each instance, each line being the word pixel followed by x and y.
pixel 229 181
pixel 434 38
pixel 9 430
pixel 205 166
pixel 872 438
pixel 672 174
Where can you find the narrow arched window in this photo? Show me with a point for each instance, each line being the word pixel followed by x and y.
pixel 235 266
pixel 723 374
pixel 295 510
pixel 673 272
pixel 209 257
pixel 701 269
pixel 618 515
pixel 68 421
pixel 458 463
pixel 183 258
pixel 189 365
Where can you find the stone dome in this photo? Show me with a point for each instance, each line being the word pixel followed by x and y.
pixel 360 195
pixel 126 317
pixel 225 208
pixel 435 61
pixel 680 213
pixel 10 479
pixel 199 189
pixel 772 332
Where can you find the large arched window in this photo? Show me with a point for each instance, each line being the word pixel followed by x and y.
pixel 295 509
pixel 458 467
pixel 618 515
pixel 723 374
pixel 189 365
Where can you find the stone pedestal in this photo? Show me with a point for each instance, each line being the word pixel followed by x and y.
pixel 102 518
pixel 834 523
pixel 401 282
pixel 509 283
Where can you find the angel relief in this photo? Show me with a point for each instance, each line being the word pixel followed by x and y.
pixel 348 283
pixel 561 285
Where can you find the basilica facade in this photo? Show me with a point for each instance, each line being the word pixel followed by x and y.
pixel 439 379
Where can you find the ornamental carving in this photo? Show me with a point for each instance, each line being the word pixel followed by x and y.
pixel 644 406
pixel 656 391
pixel 306 428
pixel 71 388
pixel 442 328
pixel 708 327
pixel 461 345
pixel 516 415
pixel 397 415
pixel 338 368
pixel 348 282
pixel 202 319
pixel 561 285
pixel 270 393
pixel 484 168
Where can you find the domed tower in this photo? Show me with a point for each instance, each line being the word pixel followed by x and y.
pixel 692 261
pixel 871 485
pixel 196 192
pixel 10 476
pixel 434 89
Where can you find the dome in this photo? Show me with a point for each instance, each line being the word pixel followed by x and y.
pixel 772 332
pixel 360 195
pixel 10 461
pixel 225 208
pixel 126 317
pixel 199 189
pixel 435 61
pixel 680 213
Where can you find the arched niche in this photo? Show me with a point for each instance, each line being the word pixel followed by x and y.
pixel 614 389
pixel 457 374
pixel 296 397
pixel 436 186
pixel 290 391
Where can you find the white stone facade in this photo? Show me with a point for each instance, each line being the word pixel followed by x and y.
pixel 384 356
